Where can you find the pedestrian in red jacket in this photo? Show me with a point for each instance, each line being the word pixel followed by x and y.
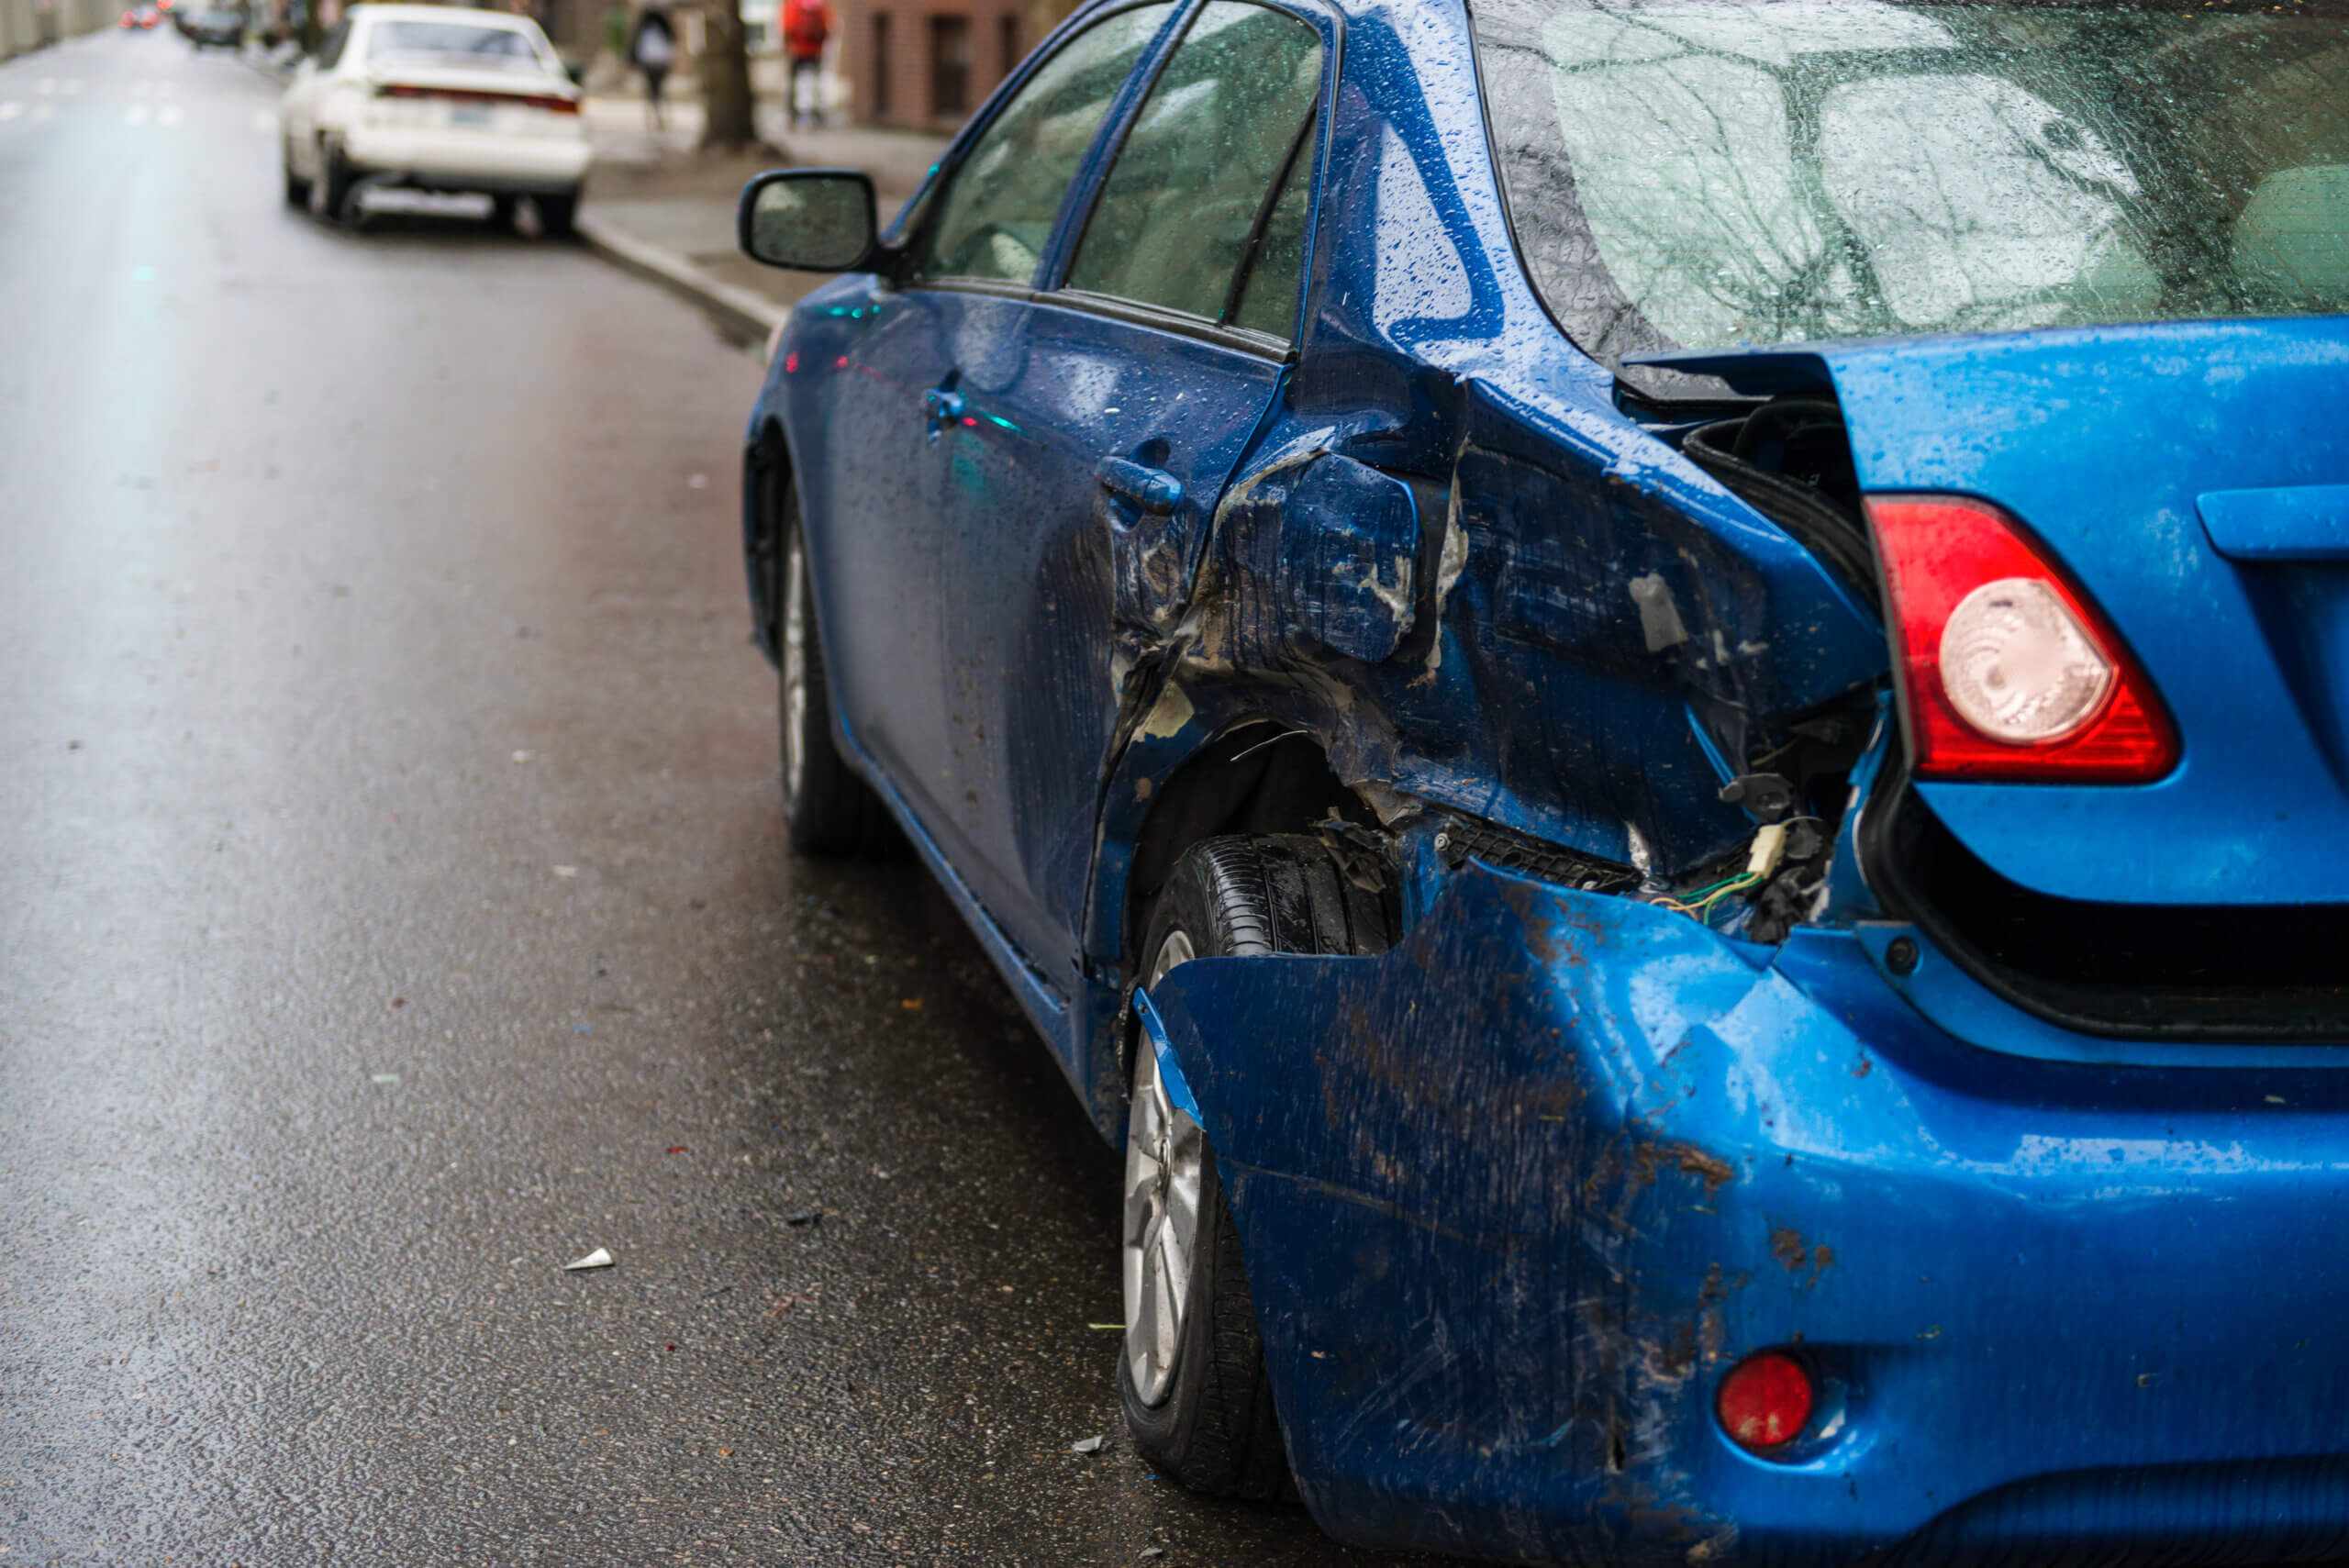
pixel 807 24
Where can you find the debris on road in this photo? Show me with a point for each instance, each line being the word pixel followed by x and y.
pixel 1087 1445
pixel 383 1077
pixel 678 1148
pixel 805 1217
pixel 601 1258
pixel 781 1301
pixel 566 871
pixel 1151 1552
pixel 1120 1328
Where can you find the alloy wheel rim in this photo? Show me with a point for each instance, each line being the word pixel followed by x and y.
pixel 1166 1160
pixel 795 667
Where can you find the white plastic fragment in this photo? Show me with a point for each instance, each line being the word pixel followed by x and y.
pixel 1086 1445
pixel 383 1077
pixel 601 1258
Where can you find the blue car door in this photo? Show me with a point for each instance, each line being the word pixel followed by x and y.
pixel 880 555
pixel 1090 429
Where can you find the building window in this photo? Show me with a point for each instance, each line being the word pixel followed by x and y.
pixel 1007 40
pixel 883 66
pixel 949 66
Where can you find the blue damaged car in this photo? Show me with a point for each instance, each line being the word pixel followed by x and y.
pixel 1653 694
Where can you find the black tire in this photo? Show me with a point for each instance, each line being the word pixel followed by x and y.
pixel 828 809
pixel 330 197
pixel 298 189
pixel 556 215
pixel 1213 1426
pixel 501 209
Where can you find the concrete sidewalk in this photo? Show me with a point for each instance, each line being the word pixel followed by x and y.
pixel 661 208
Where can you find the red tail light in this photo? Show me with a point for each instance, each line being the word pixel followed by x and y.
pixel 552 103
pixel 2007 670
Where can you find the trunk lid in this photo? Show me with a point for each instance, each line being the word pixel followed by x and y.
pixel 2195 479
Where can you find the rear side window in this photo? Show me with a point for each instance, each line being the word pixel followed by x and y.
pixel 999 207
pixel 1204 209
pixel 330 46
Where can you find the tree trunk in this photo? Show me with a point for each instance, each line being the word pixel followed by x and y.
pixel 725 66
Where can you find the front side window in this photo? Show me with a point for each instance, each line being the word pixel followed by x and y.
pixel 998 209
pixel 1700 173
pixel 1204 209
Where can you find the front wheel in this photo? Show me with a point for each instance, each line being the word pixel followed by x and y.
pixel 298 189
pixel 1191 1373
pixel 828 808
pixel 331 194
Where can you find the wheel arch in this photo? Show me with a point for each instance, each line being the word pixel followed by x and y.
pixel 1251 774
pixel 767 473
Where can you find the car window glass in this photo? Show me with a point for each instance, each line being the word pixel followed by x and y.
pixel 999 207
pixel 455 43
pixel 1192 184
pixel 1703 173
pixel 1265 295
pixel 330 46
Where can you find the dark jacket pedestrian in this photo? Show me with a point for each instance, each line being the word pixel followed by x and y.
pixel 652 48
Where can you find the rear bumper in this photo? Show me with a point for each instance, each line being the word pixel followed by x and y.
pixel 1516 1195
pixel 468 161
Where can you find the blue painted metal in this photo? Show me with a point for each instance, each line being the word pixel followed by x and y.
pixel 2294 522
pixel 1516 1194
pixel 1170 1066
pixel 2251 655
pixel 1687 1150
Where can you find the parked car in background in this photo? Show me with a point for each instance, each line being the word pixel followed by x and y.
pixel 217 28
pixel 1653 697
pixel 437 98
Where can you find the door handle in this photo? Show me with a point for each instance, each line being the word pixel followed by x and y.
pixel 1153 489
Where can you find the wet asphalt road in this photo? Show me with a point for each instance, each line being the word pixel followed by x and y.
pixel 394 905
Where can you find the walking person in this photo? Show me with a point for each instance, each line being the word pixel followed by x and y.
pixel 652 50
pixel 806 23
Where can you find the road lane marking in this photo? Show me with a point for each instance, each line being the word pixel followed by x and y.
pixel 168 115
pixel 135 115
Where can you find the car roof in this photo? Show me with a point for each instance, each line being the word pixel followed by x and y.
pixel 377 9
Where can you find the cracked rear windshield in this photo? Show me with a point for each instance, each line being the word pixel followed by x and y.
pixel 1698 175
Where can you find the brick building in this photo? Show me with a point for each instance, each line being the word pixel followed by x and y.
pixel 928 63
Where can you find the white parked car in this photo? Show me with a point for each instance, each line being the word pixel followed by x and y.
pixel 437 98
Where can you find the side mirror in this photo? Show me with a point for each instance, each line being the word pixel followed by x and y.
pixel 819 220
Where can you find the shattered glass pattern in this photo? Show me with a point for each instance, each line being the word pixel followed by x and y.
pixel 1781 170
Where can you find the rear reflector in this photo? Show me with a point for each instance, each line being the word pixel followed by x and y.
pixel 2007 670
pixel 1764 1402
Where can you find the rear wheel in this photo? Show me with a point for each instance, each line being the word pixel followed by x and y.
pixel 1191 1375
pixel 556 215
pixel 501 209
pixel 829 810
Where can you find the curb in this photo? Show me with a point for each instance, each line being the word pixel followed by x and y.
pixel 737 312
